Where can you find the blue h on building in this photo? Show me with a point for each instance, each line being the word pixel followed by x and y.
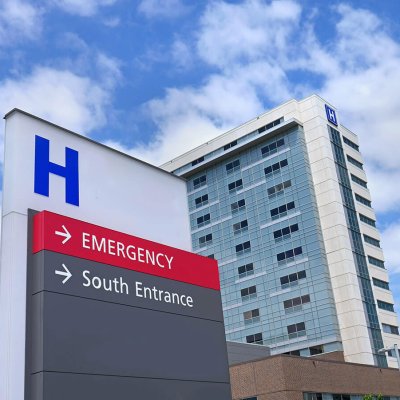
pixel 44 167
pixel 331 115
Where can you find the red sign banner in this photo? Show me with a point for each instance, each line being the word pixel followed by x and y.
pixel 77 238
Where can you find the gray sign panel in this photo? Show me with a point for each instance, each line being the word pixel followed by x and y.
pixel 96 331
pixel 56 386
pixel 89 279
pixel 74 334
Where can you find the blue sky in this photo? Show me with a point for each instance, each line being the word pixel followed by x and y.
pixel 156 77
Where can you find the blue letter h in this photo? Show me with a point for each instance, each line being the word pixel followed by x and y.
pixel 44 167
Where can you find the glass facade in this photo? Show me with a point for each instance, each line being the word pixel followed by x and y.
pixel 268 201
pixel 263 228
pixel 358 248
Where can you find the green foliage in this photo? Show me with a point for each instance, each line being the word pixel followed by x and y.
pixel 372 397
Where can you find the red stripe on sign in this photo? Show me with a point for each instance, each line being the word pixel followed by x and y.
pixel 77 238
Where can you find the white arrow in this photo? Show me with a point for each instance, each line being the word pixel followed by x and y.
pixel 65 234
pixel 65 273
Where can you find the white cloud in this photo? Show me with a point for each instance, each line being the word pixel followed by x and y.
pixel 190 116
pixel 112 22
pixel 72 101
pixel 245 32
pixel 364 83
pixel 226 99
pixel 19 20
pixel 109 69
pixel 390 244
pixel 84 60
pixel 254 48
pixel 75 94
pixel 73 42
pixel 162 8
pixel 83 8
pixel 182 54
pixel 385 196
pixel 189 127
pixel 23 19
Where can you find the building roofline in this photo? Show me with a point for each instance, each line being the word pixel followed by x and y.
pixel 312 358
pixel 17 110
pixel 285 126
pixel 226 133
pixel 241 126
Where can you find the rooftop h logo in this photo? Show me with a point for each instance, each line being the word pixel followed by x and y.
pixel 331 115
pixel 44 167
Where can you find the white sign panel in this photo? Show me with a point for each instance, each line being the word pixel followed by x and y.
pixel 49 168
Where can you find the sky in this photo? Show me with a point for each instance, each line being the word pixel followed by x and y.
pixel 155 78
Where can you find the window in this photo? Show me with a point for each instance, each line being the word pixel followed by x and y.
pixel 246 270
pixel 274 123
pixel 381 284
pixel 385 306
pixel 284 233
pixel 312 396
pixel 272 148
pixel 296 303
pixel 270 125
pixel 279 188
pixel 232 166
pixel 282 210
pixel 243 248
pixel 367 220
pixel 391 353
pixel 205 240
pixel 363 200
pixel 359 181
pixel 199 182
pixel 257 338
pixel 211 256
pixel 201 201
pixel 199 160
pixel 394 330
pixel 293 353
pixel 292 279
pixel 238 205
pixel 296 330
pixel 203 220
pixel 240 227
pixel 235 185
pixel 341 397
pixel 248 293
pixel 314 350
pixel 251 316
pixel 229 145
pixel 350 143
pixel 275 167
pixel 355 162
pixel 376 262
pixel 289 254
pixel 371 240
